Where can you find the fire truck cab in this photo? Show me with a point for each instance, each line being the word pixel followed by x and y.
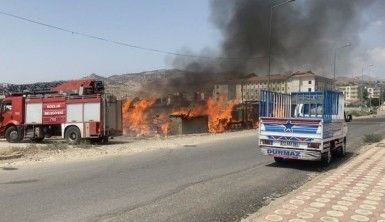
pixel 68 113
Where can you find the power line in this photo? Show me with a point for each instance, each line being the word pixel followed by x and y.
pixel 122 43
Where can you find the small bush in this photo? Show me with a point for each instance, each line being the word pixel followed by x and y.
pixel 359 113
pixel 84 144
pixel 30 149
pixel 9 151
pixel 56 146
pixel 372 138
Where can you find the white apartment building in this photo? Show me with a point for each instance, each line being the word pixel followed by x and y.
pixel 352 93
pixel 308 82
pixel 248 89
pixel 374 92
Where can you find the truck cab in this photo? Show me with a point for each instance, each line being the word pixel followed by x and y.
pixel 11 116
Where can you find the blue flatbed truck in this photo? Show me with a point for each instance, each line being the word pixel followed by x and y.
pixel 302 125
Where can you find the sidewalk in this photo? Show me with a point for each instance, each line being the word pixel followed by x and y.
pixel 354 191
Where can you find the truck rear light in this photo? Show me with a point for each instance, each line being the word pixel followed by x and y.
pixel 267 142
pixel 314 145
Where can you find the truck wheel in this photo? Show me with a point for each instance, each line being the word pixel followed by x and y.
pixel 13 135
pixel 278 159
pixel 342 149
pixel 326 158
pixel 73 135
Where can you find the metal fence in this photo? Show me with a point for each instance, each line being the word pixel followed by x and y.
pixel 325 104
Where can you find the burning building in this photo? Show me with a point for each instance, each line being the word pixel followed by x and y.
pixel 188 125
pixel 146 117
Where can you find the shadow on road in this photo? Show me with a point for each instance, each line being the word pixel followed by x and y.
pixel 312 166
pixel 8 168
pixel 20 181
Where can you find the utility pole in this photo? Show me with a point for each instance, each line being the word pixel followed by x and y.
pixel 348 44
pixel 273 6
pixel 362 82
pixel 362 88
pixel 270 40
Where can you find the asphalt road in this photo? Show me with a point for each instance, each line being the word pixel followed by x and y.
pixel 221 181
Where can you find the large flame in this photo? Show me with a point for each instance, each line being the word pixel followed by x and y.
pixel 135 117
pixel 217 111
pixel 162 124
pixel 138 120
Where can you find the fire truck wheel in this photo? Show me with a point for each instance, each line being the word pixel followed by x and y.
pixel 72 135
pixel 12 134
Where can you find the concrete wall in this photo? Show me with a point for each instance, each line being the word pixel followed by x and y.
pixel 181 125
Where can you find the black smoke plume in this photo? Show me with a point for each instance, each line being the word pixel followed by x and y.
pixel 304 35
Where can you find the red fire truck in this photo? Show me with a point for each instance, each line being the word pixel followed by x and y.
pixel 74 110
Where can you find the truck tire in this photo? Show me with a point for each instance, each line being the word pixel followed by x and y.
pixel 278 159
pixel 342 149
pixel 13 135
pixel 72 135
pixel 326 158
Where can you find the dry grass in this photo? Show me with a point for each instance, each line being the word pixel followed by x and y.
pixel 33 149
pixel 372 138
pixel 7 152
pixel 55 146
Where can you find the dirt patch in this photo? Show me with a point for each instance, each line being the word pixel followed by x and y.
pixel 57 150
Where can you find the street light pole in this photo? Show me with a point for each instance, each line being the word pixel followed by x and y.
pixel 270 40
pixel 362 83
pixel 335 60
pixel 373 89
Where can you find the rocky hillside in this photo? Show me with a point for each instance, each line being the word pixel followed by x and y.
pixel 344 80
pixel 156 83
pixel 139 84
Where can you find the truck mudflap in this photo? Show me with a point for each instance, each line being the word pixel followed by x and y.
pixel 291 153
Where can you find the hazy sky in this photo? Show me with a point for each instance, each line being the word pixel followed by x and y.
pixel 30 53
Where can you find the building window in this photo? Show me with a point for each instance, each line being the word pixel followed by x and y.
pixel 309 89
pixel 310 82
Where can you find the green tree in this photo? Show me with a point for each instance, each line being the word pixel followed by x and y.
pixel 365 94
pixel 374 102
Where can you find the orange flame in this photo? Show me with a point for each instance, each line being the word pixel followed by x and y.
pixel 135 116
pixel 162 123
pixel 218 112
pixel 137 119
